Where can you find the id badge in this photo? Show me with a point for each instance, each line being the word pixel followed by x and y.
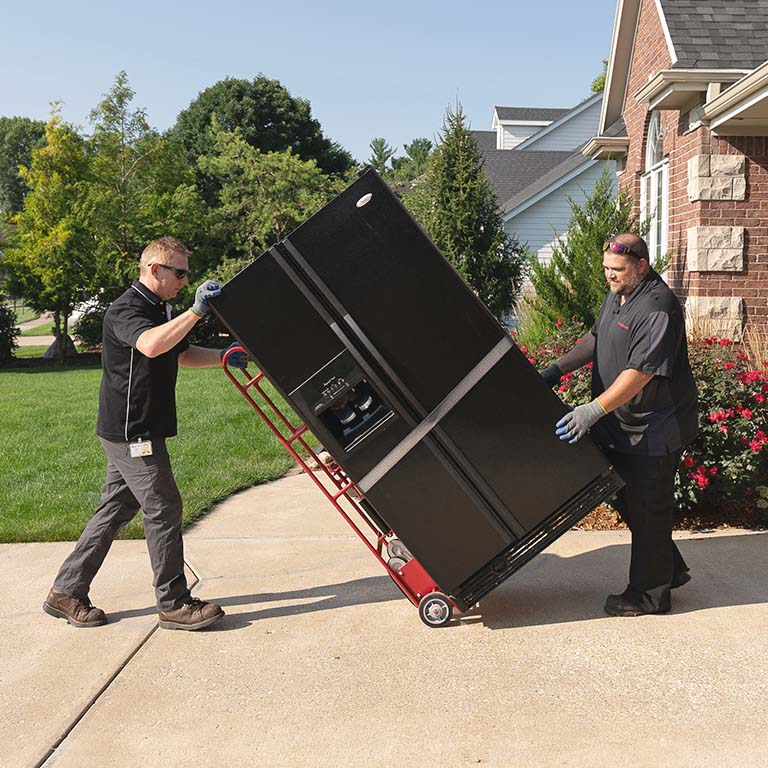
pixel 142 448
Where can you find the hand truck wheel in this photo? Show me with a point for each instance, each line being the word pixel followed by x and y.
pixel 395 563
pixel 396 548
pixel 435 609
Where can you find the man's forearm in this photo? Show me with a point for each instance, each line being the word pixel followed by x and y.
pixel 628 383
pixel 162 338
pixel 581 354
pixel 200 357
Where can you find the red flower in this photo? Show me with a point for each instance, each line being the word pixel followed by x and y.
pixel 688 461
pixel 729 366
pixel 713 471
pixel 531 361
pixel 746 413
pixel 761 436
pixel 725 429
pixel 755 445
pixel 702 481
pixel 759 398
pixel 559 323
pixel 725 342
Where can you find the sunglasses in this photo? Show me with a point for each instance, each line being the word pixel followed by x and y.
pixel 180 273
pixel 620 249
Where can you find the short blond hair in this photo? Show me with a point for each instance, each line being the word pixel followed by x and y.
pixel 160 251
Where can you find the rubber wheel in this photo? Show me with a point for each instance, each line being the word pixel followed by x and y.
pixel 435 609
pixel 396 548
pixel 395 563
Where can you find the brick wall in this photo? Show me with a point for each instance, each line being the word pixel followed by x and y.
pixel 745 285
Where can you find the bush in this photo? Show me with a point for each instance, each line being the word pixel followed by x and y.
pixel 729 458
pixel 730 455
pixel 8 330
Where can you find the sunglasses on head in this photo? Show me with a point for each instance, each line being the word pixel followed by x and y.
pixel 620 249
pixel 180 273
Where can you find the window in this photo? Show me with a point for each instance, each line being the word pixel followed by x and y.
pixel 654 189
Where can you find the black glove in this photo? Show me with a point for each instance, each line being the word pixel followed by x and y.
pixel 237 359
pixel 551 375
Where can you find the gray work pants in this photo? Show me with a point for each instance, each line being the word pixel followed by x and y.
pixel 144 483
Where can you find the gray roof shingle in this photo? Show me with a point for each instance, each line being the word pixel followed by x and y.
pixel 484 139
pixel 509 172
pixel 560 170
pixel 529 113
pixel 718 34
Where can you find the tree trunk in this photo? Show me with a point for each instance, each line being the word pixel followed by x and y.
pixel 59 337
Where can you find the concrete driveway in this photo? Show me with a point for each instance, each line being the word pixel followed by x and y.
pixel 321 661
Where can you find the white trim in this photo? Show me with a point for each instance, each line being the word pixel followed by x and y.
pixel 128 397
pixel 525 122
pixel 577 171
pixel 665 27
pixel 577 110
pixel 144 296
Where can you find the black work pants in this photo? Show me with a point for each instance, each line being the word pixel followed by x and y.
pixel 646 504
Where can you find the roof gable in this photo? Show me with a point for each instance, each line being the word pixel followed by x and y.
pixel 699 34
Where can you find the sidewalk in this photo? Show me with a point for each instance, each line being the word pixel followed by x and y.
pixel 321 661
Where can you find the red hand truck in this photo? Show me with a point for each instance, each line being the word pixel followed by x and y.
pixel 435 608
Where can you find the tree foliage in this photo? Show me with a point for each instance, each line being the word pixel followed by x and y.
pixel 8 330
pixel 381 154
pixel 45 251
pixel 263 195
pixel 572 285
pixel 415 162
pixel 267 117
pixel 18 137
pixel 140 188
pixel 458 209
pixel 598 84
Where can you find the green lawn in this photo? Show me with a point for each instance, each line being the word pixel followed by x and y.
pixel 24 352
pixel 39 330
pixel 53 465
pixel 24 314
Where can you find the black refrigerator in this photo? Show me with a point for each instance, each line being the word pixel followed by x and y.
pixel 415 389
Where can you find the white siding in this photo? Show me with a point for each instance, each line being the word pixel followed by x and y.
pixel 572 133
pixel 512 135
pixel 538 224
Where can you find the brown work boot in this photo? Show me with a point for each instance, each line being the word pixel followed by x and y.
pixel 76 610
pixel 194 614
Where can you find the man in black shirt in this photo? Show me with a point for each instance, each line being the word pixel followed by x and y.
pixel 643 414
pixel 143 345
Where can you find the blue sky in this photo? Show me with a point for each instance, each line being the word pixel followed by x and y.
pixel 368 69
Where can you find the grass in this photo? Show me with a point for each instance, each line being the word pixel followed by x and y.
pixel 53 465
pixel 23 313
pixel 24 352
pixel 39 330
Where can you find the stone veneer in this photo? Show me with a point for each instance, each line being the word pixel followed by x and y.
pixel 717 177
pixel 721 316
pixel 715 249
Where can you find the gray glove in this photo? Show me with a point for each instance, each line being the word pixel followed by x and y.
pixel 205 291
pixel 576 423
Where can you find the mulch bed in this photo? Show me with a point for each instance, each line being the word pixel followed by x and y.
pixel 742 513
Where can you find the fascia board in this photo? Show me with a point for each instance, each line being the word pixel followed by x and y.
pixel 740 96
pixel 667 36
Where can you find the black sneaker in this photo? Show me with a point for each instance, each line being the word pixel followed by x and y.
pixel 680 578
pixel 632 603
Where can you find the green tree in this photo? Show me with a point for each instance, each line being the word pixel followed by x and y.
pixel 458 209
pixel 263 195
pixel 381 154
pixel 572 285
pixel 415 162
pixel 598 84
pixel 46 253
pixel 141 187
pixel 18 137
pixel 267 117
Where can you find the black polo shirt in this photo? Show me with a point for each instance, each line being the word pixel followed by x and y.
pixel 138 393
pixel 647 334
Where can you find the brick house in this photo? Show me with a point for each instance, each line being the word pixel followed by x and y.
pixel 685 115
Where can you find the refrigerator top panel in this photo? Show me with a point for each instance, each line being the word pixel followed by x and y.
pixel 375 266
